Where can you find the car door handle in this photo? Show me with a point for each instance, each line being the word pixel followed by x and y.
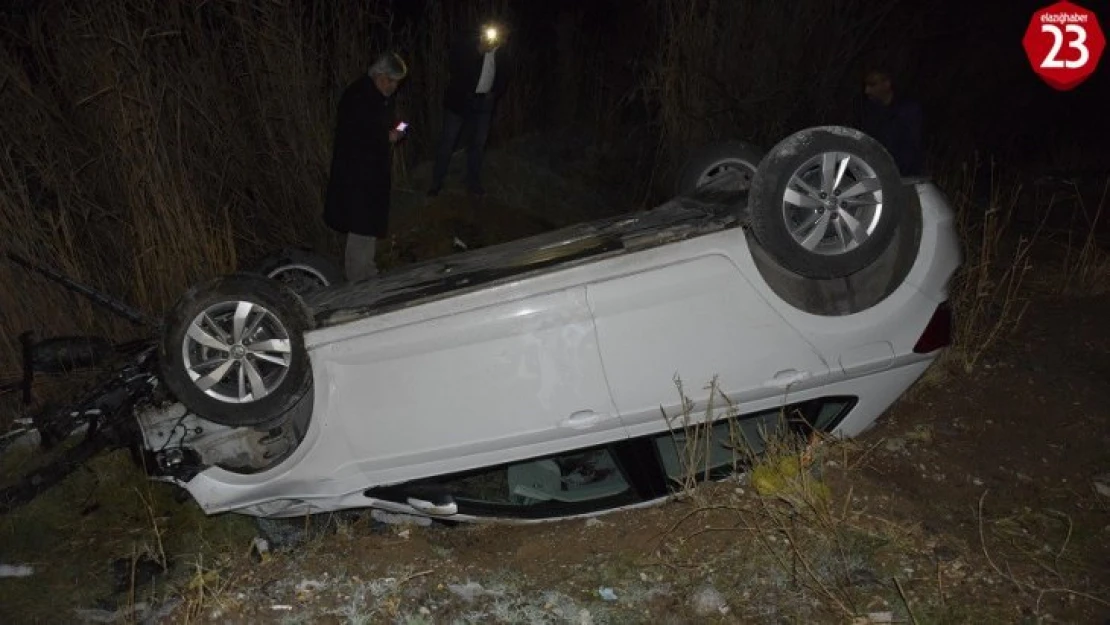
pixel 581 420
pixel 785 378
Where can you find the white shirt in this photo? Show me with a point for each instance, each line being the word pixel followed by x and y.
pixel 485 81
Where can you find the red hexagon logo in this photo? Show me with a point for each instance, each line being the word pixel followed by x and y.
pixel 1064 43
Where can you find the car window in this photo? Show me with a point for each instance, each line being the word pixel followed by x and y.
pixel 618 474
pixel 733 441
pixel 585 480
pixel 828 413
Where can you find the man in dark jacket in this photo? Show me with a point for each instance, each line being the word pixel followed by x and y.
pixel 357 201
pixel 894 121
pixel 479 74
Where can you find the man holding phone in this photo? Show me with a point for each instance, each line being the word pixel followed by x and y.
pixel 359 187
pixel 479 74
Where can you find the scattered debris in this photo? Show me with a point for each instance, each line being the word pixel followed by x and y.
pixel 138 612
pixel 16 570
pixel 1102 484
pixel 260 549
pixel 607 594
pixel 307 588
pixel 708 601
pixel 391 518
pixel 135 572
pixel 896 445
pixel 469 591
pixel 875 618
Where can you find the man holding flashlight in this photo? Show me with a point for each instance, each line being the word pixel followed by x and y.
pixel 479 74
pixel 360 183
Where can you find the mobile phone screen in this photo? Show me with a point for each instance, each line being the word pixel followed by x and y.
pixel 402 126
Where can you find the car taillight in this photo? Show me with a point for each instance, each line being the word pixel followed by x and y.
pixel 938 333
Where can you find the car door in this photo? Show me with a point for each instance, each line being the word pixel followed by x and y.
pixel 491 383
pixel 694 319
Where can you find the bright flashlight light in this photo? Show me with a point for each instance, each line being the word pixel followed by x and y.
pixel 491 34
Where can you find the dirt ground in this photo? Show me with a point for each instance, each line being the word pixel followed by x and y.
pixel 972 501
pixel 981 497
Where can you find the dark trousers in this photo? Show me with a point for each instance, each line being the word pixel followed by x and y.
pixel 477 121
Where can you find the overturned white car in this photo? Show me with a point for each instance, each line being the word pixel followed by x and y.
pixel 532 379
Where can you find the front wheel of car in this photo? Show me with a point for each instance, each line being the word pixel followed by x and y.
pixel 301 270
pixel 232 350
pixel 707 163
pixel 826 201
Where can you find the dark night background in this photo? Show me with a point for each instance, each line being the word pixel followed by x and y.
pixel 148 144
pixel 963 61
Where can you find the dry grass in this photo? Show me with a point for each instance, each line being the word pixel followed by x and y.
pixel 716 74
pixel 149 145
pixel 822 553
pixel 140 137
pixel 1086 270
pixel 1005 264
pixel 990 292
pixel 1035 547
pixel 106 512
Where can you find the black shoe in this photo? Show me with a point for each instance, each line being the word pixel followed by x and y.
pixel 434 191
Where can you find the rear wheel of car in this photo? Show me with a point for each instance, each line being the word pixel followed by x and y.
pixel 300 270
pixel 826 201
pixel 711 161
pixel 232 350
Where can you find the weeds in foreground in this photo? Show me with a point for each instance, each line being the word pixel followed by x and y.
pixel 105 525
pixel 1086 271
pixel 990 290
pixel 814 547
pixel 1045 558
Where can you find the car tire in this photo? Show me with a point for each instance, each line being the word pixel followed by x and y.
pixel 826 201
pixel 301 270
pixel 709 161
pixel 259 365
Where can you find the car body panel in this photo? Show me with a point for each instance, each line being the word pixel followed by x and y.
pixel 686 313
pixel 882 336
pixel 514 375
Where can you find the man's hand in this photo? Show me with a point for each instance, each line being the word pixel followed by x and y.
pixel 395 136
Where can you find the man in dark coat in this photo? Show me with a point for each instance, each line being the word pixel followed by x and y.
pixel 357 201
pixel 479 69
pixel 894 121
